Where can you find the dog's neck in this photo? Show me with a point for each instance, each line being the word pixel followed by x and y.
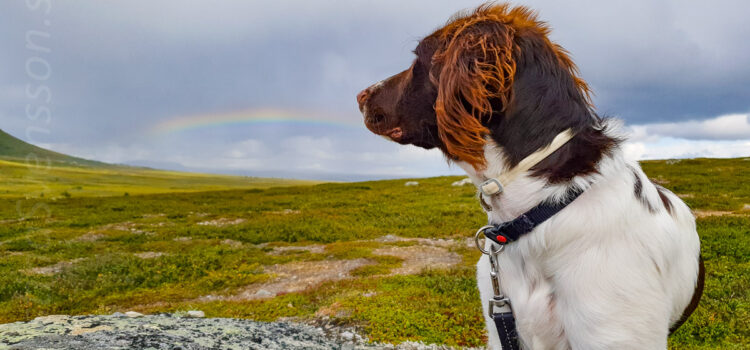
pixel 530 188
pixel 518 196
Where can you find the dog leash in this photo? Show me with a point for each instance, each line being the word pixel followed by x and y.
pixel 501 234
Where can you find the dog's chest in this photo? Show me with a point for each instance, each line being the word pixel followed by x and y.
pixel 525 279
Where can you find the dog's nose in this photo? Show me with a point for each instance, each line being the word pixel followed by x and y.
pixel 362 97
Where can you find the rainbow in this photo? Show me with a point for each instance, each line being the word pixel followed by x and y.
pixel 255 116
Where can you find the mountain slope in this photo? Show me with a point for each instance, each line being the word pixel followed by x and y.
pixel 14 149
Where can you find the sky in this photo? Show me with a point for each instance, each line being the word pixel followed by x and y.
pixel 267 88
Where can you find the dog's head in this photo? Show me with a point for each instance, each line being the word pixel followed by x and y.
pixel 478 77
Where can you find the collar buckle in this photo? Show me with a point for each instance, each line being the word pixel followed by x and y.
pixel 497 234
pixel 510 231
pixel 491 187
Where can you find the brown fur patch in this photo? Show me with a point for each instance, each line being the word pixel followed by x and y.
pixel 664 198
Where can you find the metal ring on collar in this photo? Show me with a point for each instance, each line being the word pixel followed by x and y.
pixel 479 245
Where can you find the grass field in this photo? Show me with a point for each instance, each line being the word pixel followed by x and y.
pixel 92 253
pixel 32 180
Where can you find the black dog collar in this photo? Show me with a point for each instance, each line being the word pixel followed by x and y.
pixel 510 231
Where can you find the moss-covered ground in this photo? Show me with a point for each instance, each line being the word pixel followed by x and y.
pixel 79 253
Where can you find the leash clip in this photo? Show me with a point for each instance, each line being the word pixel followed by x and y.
pixel 479 244
pixel 498 302
pixel 498 299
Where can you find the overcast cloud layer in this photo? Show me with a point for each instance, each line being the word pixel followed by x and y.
pixel 675 71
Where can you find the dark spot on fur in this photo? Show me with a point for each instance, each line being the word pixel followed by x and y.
pixel 638 187
pixel 638 191
pixel 656 266
pixel 664 199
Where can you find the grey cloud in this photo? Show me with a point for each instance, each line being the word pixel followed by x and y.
pixel 122 66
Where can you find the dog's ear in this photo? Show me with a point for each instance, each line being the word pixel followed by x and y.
pixel 475 66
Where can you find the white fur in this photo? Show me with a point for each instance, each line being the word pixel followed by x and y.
pixel 604 273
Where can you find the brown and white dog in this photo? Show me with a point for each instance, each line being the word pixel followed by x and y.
pixel 619 267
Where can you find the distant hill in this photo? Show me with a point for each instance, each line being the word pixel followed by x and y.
pixel 14 149
pixel 77 177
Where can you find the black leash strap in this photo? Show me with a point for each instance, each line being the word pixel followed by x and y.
pixel 506 330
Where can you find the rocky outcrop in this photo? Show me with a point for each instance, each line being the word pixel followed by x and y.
pixel 186 331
